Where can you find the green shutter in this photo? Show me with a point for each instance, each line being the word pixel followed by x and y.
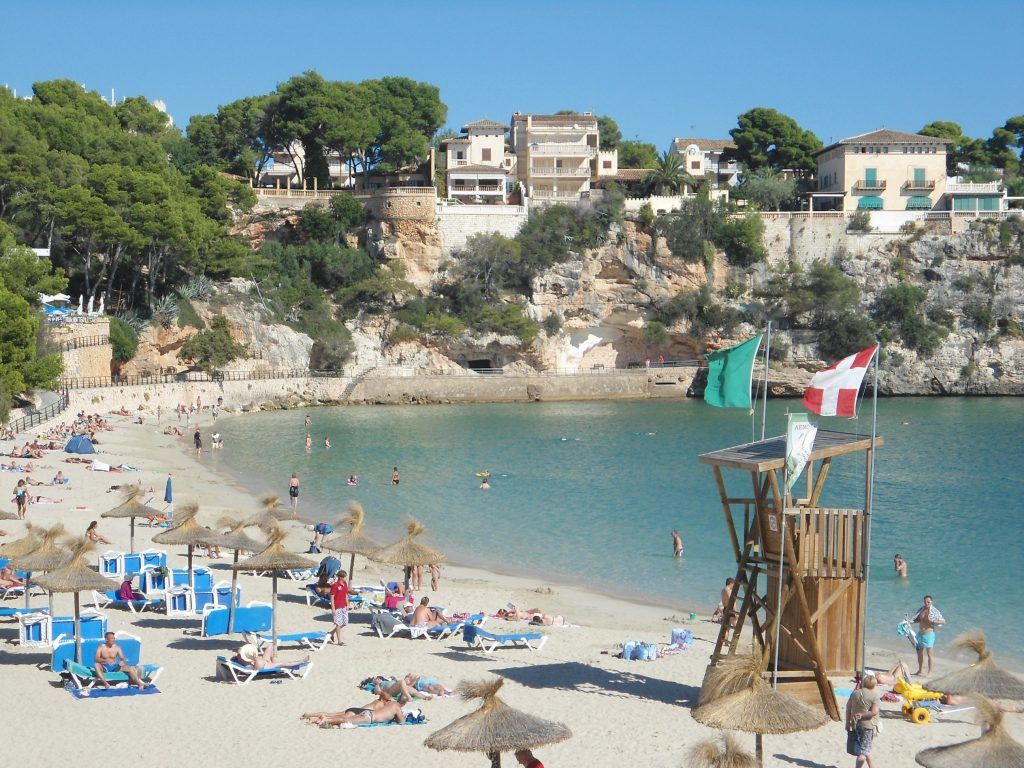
pixel 870 177
pixel 988 204
pixel 919 177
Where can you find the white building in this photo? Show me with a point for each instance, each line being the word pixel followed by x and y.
pixel 478 168
pixel 557 156
pixel 702 159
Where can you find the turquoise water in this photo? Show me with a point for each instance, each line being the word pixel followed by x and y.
pixel 587 493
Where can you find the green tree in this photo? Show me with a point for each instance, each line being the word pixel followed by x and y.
pixel 138 116
pixel 608 132
pixel 213 348
pixel 769 192
pixel 637 154
pixel 767 140
pixel 742 240
pixel 690 231
pixel 667 176
pixel 655 334
pixel 123 340
pixel 964 150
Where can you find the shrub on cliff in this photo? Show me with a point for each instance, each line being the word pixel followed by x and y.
pixel 123 340
pixel 212 348
pixel 742 240
pixel 701 309
pixel 899 309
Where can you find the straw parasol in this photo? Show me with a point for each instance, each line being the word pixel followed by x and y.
pixel 407 552
pixel 495 727
pixel 355 542
pixel 186 532
pixel 982 677
pixel 76 577
pixel 5 515
pixel 22 546
pixel 723 752
pixel 995 748
pixel 274 557
pixel 131 506
pixel 235 539
pixel 274 512
pixel 738 699
pixel 46 557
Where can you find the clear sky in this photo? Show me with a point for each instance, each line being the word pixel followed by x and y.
pixel 661 69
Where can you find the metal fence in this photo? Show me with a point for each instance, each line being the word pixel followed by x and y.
pixel 38 417
pixel 85 341
pixel 389 372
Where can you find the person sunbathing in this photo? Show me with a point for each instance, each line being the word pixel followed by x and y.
pixel 173 432
pixel 158 519
pixel 893 674
pixel 249 656
pixel 8 579
pixel 59 479
pixel 427 685
pixel 424 616
pixel 46 500
pixel 396 688
pixel 93 533
pixel 122 412
pixel 532 615
pixel 383 710
pixel 110 658
pixel 127 592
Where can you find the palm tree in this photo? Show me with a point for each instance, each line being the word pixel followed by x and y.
pixel 668 176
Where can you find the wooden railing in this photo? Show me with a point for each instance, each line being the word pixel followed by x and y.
pixel 830 542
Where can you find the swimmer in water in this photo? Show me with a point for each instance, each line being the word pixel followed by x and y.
pixel 353 480
pixel 484 485
pixel 677 544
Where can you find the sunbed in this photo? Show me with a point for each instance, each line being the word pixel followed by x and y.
pixel 7 613
pixel 38 629
pixel 477 637
pixel 85 678
pixel 131 647
pixel 108 597
pixel 240 674
pixel 314 641
pixel 386 624
pixel 254 617
pixel 315 598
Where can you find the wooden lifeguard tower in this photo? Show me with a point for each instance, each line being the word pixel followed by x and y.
pixel 823 558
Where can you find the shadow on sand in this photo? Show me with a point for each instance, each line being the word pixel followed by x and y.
pixel 574 676
pixel 799 761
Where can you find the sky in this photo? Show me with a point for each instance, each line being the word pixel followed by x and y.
pixel 660 69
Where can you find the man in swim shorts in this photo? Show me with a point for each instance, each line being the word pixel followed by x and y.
pixel 677 544
pixel 929 618
pixel 110 658
pixel 293 491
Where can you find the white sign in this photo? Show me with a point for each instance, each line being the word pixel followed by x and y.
pixel 799 444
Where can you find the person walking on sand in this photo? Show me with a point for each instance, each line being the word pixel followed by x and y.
pixel 526 759
pixel 394 476
pixel 435 575
pixel 862 716
pixel 293 491
pixel 339 605
pixel 21 498
pixel 929 618
pixel 198 438
pixel 158 411
pixel 677 544
pixel 900 566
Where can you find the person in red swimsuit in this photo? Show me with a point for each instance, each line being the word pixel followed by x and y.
pixel 525 758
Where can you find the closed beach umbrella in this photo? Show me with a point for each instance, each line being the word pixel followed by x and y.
pixel 354 541
pixel 274 557
pixel 495 727
pixel 75 577
pixel 48 556
pixel 982 677
pixel 407 552
pixel 131 507
pixel 168 494
pixel 995 748
pixel 235 539
pixel 722 752
pixel 738 699
pixel 186 532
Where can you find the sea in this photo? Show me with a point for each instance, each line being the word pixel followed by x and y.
pixel 587 493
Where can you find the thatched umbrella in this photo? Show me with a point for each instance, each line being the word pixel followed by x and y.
pixel 495 727
pixel 46 557
pixel 355 542
pixel 131 506
pixel 723 752
pixel 20 547
pixel 5 515
pixel 738 699
pixel 186 532
pixel 235 539
pixel 982 677
pixel 274 558
pixel 76 577
pixel 407 552
pixel 995 748
pixel 274 512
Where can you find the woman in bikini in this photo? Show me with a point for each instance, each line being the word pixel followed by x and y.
pixel 383 710
pixel 93 534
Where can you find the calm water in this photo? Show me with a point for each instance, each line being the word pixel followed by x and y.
pixel 588 492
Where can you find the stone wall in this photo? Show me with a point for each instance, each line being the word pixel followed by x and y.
pixel 457 223
pixel 88 361
pixel 249 395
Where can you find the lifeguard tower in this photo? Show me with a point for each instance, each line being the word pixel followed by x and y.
pixel 824 564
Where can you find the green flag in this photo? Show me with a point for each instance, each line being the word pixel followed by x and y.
pixel 730 372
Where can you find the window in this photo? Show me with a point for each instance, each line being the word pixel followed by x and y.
pixel 606 163
pixel 459 155
pixel 695 165
pixel 919 177
pixel 870 177
pixel 485 154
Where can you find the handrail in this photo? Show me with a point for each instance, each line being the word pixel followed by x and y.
pixel 38 417
pixel 866 184
pixel 920 184
pixel 85 341
pixel 90 382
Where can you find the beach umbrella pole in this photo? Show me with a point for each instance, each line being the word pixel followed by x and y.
pixel 28 587
pixel 351 567
pixel 78 631
pixel 191 579
pixel 231 599
pixel 131 535
pixel 495 759
pixel 759 750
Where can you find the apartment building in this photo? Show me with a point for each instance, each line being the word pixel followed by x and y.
pixel 703 159
pixel 280 170
pixel 478 167
pixel 557 156
pixel 884 170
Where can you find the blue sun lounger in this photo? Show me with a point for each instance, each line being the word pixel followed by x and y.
pixel 476 637
pixel 314 641
pixel 240 674
pixel 84 677
pixel 13 613
pixel 108 597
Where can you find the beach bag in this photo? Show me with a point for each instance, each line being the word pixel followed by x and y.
pixel 629 651
pixel 681 637
pixel 647 652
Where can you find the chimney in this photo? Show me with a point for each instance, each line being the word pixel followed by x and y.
pixel 588 114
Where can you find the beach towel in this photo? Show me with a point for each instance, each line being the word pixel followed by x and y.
pixel 99 466
pixel 934 615
pixel 110 693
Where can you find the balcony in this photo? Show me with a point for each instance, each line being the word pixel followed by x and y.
pixel 464 189
pixel 920 184
pixel 549 194
pixel 582 171
pixel 563 150
pixel 869 185
pixel 974 188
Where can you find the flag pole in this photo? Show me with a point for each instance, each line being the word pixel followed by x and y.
pixel 767 356
pixel 869 492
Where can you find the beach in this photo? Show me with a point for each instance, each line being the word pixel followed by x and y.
pixel 635 713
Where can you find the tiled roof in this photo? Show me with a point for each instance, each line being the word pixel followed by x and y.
pixel 485 124
pixel 711 144
pixel 456 140
pixel 886 136
pixel 558 120
pixel 477 169
pixel 631 174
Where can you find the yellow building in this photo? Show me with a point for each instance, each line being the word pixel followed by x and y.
pixel 883 170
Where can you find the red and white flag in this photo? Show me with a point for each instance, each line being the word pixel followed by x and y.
pixel 833 391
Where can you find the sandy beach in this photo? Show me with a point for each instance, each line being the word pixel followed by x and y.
pixel 620 712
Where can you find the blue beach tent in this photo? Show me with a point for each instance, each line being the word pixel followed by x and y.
pixel 80 444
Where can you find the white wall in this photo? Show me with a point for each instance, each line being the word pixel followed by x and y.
pixel 456 223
